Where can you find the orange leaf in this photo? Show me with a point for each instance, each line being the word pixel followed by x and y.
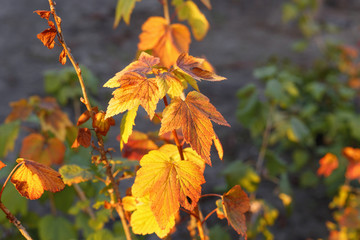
pixel 193 66
pixel 32 178
pixel 20 110
pixel 35 146
pixel 327 164
pixel 2 165
pixel 101 124
pixel 47 37
pixel 193 116
pixel 137 146
pixel 166 41
pixel 85 116
pixel 235 204
pixel 83 138
pixel 135 90
pixel 43 14
pixel 62 57
pixel 218 147
pixel 352 154
pixel 143 65
pixel 169 183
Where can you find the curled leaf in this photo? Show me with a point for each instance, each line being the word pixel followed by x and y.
pixel 74 174
pixel 102 124
pixel 62 57
pixel 47 37
pixel 43 14
pixel 32 178
pixel 192 66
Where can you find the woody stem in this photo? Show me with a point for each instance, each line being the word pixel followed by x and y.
pixel 166 11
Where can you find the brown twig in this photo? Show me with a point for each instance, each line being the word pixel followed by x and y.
pixel 118 207
pixel 15 221
pixel 207 216
pixel 83 197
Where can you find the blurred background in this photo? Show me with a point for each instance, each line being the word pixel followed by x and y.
pixel 246 41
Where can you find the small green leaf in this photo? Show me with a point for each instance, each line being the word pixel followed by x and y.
pixel 123 10
pixel 72 173
pixel 56 228
pixel 298 131
pixel 103 234
pixel 9 133
pixel 265 72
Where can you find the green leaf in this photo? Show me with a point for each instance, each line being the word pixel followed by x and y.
pixel 56 228
pixel 12 200
pixel 289 12
pixel 300 158
pixel 64 199
pixel 9 133
pixel 298 131
pixel 189 11
pixel 308 179
pixel 274 164
pixel 126 126
pixel 103 234
pixel 275 91
pixel 72 173
pixel 123 10
pixel 317 90
pixel 218 232
pixel 265 72
pixel 102 217
pixel 239 173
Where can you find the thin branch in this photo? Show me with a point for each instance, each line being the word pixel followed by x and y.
pixel 166 11
pixel 15 221
pixel 202 230
pixel 119 209
pixel 83 197
pixel 207 216
pixel 8 178
pixel 211 195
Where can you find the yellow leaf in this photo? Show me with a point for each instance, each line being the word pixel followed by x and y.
pixel 32 178
pixel 169 183
pixel 218 147
pixel 126 126
pixel 143 220
pixel 193 116
pixel 135 90
pixel 129 203
pixel 143 65
pixel 193 67
pixel 166 41
pixel 168 83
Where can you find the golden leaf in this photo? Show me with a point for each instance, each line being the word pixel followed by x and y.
pixel 166 41
pixel 32 178
pixel 143 220
pixel 327 164
pixel 193 116
pixel 143 65
pixel 126 126
pixel 135 90
pixel 169 183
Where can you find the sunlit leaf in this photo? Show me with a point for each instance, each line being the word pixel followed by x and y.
pixel 135 90
pixel 192 66
pixel 236 203
pixel 32 178
pixel 143 65
pixel 327 165
pixel 169 183
pixel 137 146
pixel 102 124
pixel 126 126
pixel 43 13
pixel 47 37
pixel 72 173
pixel 9 133
pixel 45 151
pixel 85 116
pixel 193 116
pixel 353 168
pixel 169 83
pixel 166 41
pixel 129 203
pixel 218 147
pixel 123 10
pixel 143 220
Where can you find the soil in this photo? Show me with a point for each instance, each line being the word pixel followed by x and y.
pixel 243 34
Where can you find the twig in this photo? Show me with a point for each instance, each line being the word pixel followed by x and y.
pixel 82 197
pixel 166 11
pixel 202 230
pixel 207 216
pixel 15 221
pixel 118 207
